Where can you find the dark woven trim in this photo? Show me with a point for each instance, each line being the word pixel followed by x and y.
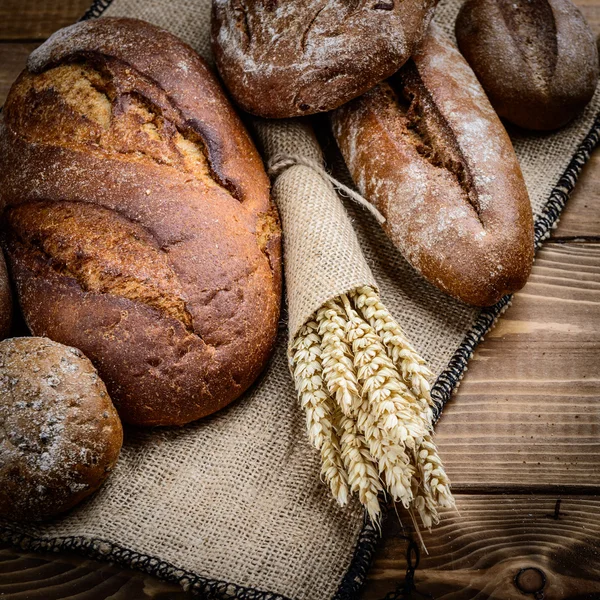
pixel 96 9
pixel 97 549
pixel 361 561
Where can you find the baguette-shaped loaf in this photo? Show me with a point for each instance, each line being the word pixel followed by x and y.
pixel 138 226
pixel 429 152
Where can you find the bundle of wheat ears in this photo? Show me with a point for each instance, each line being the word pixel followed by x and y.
pixel 366 394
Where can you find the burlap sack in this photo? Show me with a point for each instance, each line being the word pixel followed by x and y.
pixel 233 505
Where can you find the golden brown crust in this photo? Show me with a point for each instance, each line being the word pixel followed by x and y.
pixel 176 290
pixel 5 300
pixel 286 59
pixel 428 151
pixel 536 59
pixel 60 435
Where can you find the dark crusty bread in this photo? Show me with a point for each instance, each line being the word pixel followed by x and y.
pixel 5 300
pixel 285 59
pixel 536 59
pixel 428 151
pixel 60 435
pixel 139 227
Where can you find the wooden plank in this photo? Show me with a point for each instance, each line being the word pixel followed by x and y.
pixel 477 552
pixel 581 216
pixel 13 57
pixel 37 20
pixel 591 11
pixel 528 410
pixel 25 575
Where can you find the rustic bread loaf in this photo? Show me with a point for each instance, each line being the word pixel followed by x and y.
pixel 60 435
pixel 5 300
pixel 286 59
pixel 536 59
pixel 139 227
pixel 428 151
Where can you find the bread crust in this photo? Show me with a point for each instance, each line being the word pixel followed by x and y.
pixel 60 435
pixel 285 59
pixel 428 151
pixel 5 300
pixel 536 59
pixel 119 127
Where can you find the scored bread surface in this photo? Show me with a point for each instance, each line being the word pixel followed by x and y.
pixel 536 59
pixel 139 226
pixel 426 148
pixel 284 59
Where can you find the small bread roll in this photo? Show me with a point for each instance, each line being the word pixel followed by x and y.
pixel 60 435
pixel 536 59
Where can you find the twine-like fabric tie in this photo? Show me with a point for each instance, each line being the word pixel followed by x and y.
pixel 281 162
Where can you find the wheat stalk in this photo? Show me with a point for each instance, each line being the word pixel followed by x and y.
pixel 362 473
pixel 307 367
pixel 366 394
pixel 385 416
pixel 338 367
pixel 412 367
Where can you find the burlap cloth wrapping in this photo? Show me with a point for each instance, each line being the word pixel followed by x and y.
pixel 233 505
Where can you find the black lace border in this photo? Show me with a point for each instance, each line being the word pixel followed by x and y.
pixel 442 391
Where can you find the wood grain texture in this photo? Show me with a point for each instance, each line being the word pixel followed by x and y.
pixel 581 217
pixel 528 410
pixel 589 9
pixel 37 19
pixel 24 575
pixel 523 428
pixel 475 554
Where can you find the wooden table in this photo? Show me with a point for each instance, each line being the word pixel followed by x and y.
pixel 521 440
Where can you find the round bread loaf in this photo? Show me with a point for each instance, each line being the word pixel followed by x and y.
pixel 5 300
pixel 536 59
pixel 286 59
pixel 60 435
pixel 139 226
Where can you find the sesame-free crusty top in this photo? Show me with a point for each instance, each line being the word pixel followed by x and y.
pixel 284 59
pixel 138 225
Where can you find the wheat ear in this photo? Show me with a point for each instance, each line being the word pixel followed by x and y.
pixel 412 367
pixel 338 366
pixel 366 393
pixel 385 417
pixel 318 407
pixel 362 474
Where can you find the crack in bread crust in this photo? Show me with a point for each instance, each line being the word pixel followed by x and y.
pixel 123 124
pixel 89 107
pixel 429 131
pixel 102 251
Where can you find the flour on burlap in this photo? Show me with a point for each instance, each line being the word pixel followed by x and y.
pixel 237 497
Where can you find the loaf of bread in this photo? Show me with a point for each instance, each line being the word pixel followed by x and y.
pixel 5 300
pixel 139 226
pixel 286 59
pixel 536 59
pixel 60 434
pixel 428 151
